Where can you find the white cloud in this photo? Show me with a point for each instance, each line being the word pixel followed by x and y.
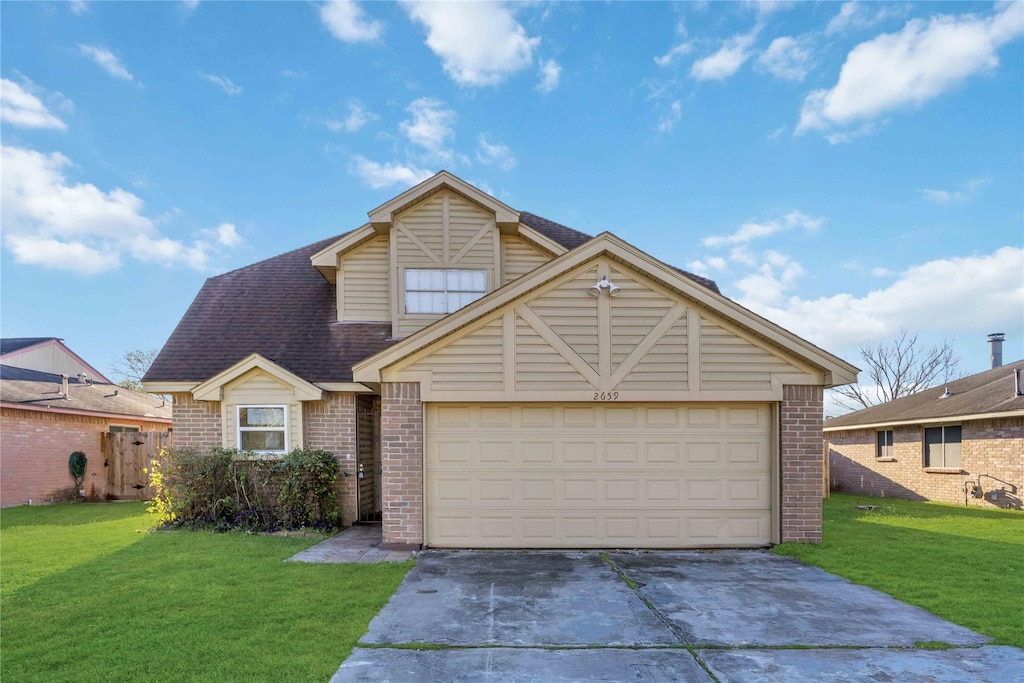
pixel 931 297
pixel 879 271
pixel 669 120
pixel 224 83
pixel 430 126
pixel 729 58
pixel 911 67
pixel 765 7
pixel 854 16
pixel 479 43
pixel 968 191
pixel 77 227
pixel 707 265
pixel 357 117
pixel 189 5
pixel 19 106
pixel 79 7
pixel 550 74
pixel 752 231
pixel 106 60
pixel 498 154
pixel 773 279
pixel 377 175
pixel 787 58
pixel 227 235
pixel 348 23
pixel 672 55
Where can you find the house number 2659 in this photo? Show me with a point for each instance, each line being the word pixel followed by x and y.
pixel 606 396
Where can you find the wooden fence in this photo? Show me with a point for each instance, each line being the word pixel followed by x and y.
pixel 127 458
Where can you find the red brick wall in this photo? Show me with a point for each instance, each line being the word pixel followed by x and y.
pixel 402 464
pixel 197 424
pixel 330 425
pixel 989 447
pixel 34 451
pixel 800 417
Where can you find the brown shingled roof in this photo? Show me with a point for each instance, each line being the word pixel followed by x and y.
pixel 985 393
pixel 35 389
pixel 283 309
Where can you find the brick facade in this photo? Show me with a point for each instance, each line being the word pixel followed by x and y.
pixel 35 447
pixel 992 447
pixel 330 425
pixel 197 424
pixel 402 465
pixel 800 418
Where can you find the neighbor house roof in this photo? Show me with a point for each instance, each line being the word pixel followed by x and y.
pixel 992 393
pixel 12 344
pixel 35 390
pixel 284 310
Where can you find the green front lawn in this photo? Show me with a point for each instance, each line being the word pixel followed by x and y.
pixel 962 564
pixel 89 594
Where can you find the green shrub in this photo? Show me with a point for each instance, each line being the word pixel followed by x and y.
pixel 223 488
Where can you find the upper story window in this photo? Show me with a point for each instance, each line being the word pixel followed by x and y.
pixel 262 428
pixel 883 445
pixel 442 291
pixel 942 446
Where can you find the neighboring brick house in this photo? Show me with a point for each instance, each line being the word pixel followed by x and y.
pixel 962 442
pixel 499 380
pixel 53 403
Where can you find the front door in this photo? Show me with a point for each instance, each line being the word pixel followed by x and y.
pixel 368 466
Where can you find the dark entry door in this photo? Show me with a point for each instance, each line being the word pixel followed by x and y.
pixel 368 466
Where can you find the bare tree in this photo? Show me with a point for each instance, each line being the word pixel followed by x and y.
pixel 132 366
pixel 899 368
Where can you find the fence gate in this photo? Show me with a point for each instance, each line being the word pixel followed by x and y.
pixel 127 458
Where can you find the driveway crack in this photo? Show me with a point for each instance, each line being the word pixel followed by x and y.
pixel 669 624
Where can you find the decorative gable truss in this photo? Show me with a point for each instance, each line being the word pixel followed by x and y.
pixel 654 340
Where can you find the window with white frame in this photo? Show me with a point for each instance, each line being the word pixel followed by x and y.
pixel 883 446
pixel 263 428
pixel 942 446
pixel 442 291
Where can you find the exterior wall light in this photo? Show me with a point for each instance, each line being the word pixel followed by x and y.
pixel 604 283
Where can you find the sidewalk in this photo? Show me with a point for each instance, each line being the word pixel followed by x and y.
pixel 360 543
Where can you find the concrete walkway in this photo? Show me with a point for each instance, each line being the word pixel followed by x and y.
pixel 725 616
pixel 360 543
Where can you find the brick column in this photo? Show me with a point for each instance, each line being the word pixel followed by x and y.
pixel 800 415
pixel 330 425
pixel 401 432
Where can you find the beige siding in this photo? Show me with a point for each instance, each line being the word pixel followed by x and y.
pixel 257 388
pixel 363 283
pixel 597 475
pixel 729 362
pixel 571 312
pixel 473 363
pixel 519 257
pixel 560 343
pixel 635 312
pixel 471 235
pixel 664 366
pixel 445 231
pixel 425 222
pixel 539 367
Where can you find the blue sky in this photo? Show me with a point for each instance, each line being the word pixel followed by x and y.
pixel 844 169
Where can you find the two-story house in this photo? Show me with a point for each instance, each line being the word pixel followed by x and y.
pixel 495 379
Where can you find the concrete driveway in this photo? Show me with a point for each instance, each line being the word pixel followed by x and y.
pixel 656 616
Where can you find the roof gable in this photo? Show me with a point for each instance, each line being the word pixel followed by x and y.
pixel 834 370
pixel 213 388
pixel 383 216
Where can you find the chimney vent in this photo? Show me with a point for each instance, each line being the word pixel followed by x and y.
pixel 995 343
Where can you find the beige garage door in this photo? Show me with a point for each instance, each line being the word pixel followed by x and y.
pixel 598 475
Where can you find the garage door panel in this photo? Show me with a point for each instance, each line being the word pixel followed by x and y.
pixel 579 475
